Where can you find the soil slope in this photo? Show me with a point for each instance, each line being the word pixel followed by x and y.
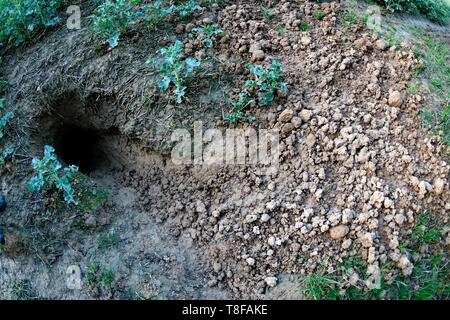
pixel 356 169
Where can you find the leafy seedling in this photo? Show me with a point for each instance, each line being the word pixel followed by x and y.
pixel 318 14
pixel 267 81
pixel 174 71
pixel 51 174
pixel 303 26
pixel 208 32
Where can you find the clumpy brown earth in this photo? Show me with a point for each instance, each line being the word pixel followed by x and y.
pixel 356 169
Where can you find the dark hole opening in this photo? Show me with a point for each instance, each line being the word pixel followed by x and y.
pixel 79 147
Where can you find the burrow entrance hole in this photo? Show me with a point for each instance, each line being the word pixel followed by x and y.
pixel 79 135
pixel 80 147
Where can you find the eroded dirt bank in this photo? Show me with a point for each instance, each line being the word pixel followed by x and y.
pixel 356 168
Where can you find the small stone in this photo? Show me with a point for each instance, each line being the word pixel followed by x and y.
pixel 200 55
pixel 405 265
pixel 297 122
pixel 354 279
pixel 243 49
pixel 258 55
pixel 251 218
pixel 254 47
pixel 388 203
pixel 395 99
pixel 217 267
pixel 367 240
pixel 207 21
pixel 400 219
pixel 347 216
pixel 305 115
pixel 189 27
pixel 212 283
pixel 360 43
pixel 286 116
pixel 310 140
pixel 90 222
pixel 438 186
pixel 180 28
pixel 380 44
pixel 287 128
pixel 346 244
pixel 271 281
pixel 393 243
pixel 339 232
pixel 250 261
pixel 377 198
pixel 201 208
pixel 271 205
pixel 265 217
pixel 305 41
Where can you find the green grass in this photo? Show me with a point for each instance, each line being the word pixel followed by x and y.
pixel 433 76
pixel 21 19
pixel 98 278
pixel 108 240
pixel 444 125
pixel 107 278
pixel 113 19
pixel 318 14
pixel 90 198
pixel 281 28
pixel 430 279
pixel 435 10
pixel 267 13
pixel 22 290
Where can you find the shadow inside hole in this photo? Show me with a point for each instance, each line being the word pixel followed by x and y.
pixel 79 147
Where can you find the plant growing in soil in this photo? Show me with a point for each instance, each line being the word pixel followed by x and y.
pixel 267 82
pixel 429 278
pixel 318 14
pixel 174 71
pixel 4 121
pixel 267 13
pixel 303 26
pixel 238 106
pixel 155 12
pixel 208 33
pixel 435 10
pixel 51 174
pixel 444 125
pixel 108 240
pixel 22 290
pixel 20 19
pixel 113 18
pixel 185 9
pixel 98 279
